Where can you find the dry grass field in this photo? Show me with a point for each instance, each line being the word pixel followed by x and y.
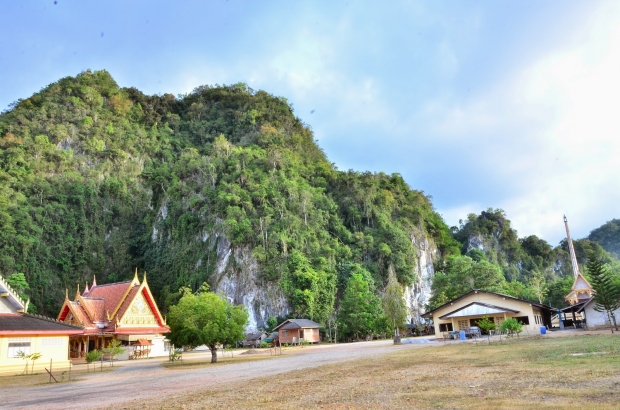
pixel 528 373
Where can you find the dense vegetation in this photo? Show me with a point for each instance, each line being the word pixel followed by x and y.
pixel 97 180
pixel 496 259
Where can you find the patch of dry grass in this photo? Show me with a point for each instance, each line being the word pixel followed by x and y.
pixel 204 362
pixel 529 373
pixel 62 375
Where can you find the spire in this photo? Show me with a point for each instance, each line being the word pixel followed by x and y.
pixel 94 282
pixel 135 280
pixel 573 257
pixel 581 288
pixel 85 290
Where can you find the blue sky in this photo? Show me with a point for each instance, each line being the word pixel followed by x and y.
pixel 480 104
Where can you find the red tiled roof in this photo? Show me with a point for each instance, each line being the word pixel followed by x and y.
pixel 93 308
pixel 80 314
pixel 141 330
pixel 112 294
pixel 125 305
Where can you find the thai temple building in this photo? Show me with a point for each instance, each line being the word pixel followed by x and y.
pixel 125 311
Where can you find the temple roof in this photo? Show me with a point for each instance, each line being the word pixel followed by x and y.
pixel 580 291
pixel 101 309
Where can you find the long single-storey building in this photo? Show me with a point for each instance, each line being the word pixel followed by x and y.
pixel 24 334
pixel 466 310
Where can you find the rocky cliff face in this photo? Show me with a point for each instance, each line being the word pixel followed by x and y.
pixel 418 294
pixel 236 276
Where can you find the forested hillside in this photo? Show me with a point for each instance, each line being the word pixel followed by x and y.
pixel 98 180
pixel 496 259
pixel 225 185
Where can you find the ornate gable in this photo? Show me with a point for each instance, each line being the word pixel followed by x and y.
pixel 139 308
pixel 581 290
pixel 139 313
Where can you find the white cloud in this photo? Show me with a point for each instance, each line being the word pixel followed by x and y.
pixel 551 133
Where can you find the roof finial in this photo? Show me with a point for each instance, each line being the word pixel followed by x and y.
pixel 77 293
pixel 135 281
pixel 94 282
pixel 144 277
pixel 85 290
pixel 66 294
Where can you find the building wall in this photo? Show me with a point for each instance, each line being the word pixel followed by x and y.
pixel 596 319
pixel 524 308
pixel 51 347
pixel 312 335
pixel 6 306
pixel 292 335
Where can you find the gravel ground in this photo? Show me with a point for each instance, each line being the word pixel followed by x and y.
pixel 135 380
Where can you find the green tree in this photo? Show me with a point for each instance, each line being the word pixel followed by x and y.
pixel 557 291
pixel 487 324
pixel 462 274
pixel 538 285
pixel 206 319
pixel 92 356
pixel 311 291
pixel 359 309
pixel 606 292
pixel 393 302
pixel 271 323
pixel 18 282
pixel 114 348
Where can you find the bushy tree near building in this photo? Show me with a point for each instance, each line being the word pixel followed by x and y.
pixel 207 319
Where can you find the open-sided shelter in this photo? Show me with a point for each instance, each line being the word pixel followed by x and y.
pixel 466 310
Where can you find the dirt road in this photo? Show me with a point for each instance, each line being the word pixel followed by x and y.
pixel 149 379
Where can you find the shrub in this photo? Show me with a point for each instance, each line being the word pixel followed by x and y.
pixel 512 326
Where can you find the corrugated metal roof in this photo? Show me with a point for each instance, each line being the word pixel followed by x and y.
pixel 297 324
pixel 25 322
pixel 477 309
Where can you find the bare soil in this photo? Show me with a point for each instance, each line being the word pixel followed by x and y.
pixel 559 370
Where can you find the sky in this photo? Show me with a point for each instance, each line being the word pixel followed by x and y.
pixel 480 104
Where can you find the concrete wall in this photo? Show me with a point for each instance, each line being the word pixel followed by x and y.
pixel 595 320
pixel 51 347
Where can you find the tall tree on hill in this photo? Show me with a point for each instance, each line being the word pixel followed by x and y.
pixel 607 293
pixel 359 308
pixel 393 302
